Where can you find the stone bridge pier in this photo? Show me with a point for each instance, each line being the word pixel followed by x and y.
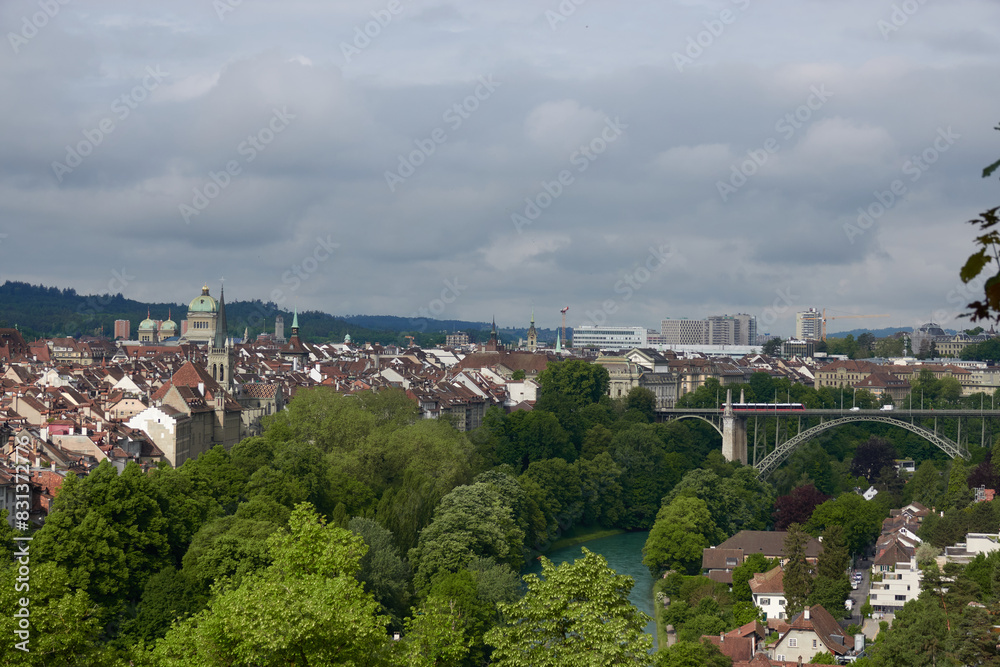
pixel 734 433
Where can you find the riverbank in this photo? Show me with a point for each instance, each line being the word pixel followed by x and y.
pixel 661 629
pixel 575 536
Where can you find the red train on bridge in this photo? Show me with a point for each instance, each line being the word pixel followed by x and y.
pixel 767 407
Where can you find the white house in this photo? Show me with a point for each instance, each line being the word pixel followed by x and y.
pixel 768 592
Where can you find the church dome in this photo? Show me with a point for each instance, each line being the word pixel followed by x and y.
pixel 147 324
pixel 204 303
pixel 168 326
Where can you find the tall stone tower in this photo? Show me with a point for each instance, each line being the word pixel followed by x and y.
pixel 221 355
pixel 532 334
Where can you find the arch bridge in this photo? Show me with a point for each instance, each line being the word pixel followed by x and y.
pixel 731 424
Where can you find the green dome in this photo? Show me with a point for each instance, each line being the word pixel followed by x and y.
pixel 169 325
pixel 204 303
pixel 147 324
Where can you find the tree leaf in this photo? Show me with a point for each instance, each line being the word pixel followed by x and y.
pixel 974 265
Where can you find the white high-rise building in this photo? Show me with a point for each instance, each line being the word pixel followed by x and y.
pixel 809 325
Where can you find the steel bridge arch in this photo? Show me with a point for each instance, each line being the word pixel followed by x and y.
pixel 704 419
pixel 767 465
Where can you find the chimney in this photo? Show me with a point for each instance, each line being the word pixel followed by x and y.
pixel 201 388
pixel 807 613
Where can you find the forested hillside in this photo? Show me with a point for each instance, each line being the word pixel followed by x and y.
pixel 40 311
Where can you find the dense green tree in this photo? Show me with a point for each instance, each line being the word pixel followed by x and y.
pixel 926 485
pixel 108 532
pixel 229 548
pixel 919 636
pixel 831 586
pixel 643 400
pixel 579 381
pixel 472 520
pixel 986 351
pixel 890 347
pixel 692 654
pixel 597 440
pixel 384 573
pixel 435 635
pixel 959 495
pixel 797 578
pixel 65 624
pixel 560 483
pixel 305 608
pixel 574 615
pixel 600 490
pixel 169 596
pixel 738 502
pixel 533 436
pixel 861 520
pixel 683 529
pixel 648 471
pixel 772 347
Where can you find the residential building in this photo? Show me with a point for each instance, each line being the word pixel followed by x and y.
pixel 767 590
pixel 457 339
pixel 123 329
pixel 900 582
pixel 719 561
pixel 813 630
pixel 809 325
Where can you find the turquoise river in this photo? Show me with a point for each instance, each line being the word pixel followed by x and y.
pixel 624 555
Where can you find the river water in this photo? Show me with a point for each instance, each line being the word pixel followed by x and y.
pixel 624 555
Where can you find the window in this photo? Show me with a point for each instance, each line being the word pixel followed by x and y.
pixel 814 643
pixel 781 657
pixel 900 597
pixel 793 642
pixel 765 601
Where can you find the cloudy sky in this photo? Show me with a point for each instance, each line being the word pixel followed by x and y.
pixel 630 160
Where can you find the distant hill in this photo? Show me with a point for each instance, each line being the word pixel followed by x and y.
pixel 882 333
pixel 40 311
pixel 878 333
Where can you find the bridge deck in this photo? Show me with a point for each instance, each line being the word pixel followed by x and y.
pixel 717 412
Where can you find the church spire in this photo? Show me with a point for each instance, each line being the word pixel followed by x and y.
pixel 221 328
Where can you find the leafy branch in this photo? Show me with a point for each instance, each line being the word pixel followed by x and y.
pixel 989 251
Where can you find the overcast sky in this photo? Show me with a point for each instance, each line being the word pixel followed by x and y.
pixel 630 160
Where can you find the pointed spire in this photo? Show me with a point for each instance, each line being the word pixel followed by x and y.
pixel 532 316
pixel 221 327
pixel 558 341
pixel 295 321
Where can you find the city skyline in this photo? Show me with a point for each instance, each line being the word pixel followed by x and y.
pixel 680 159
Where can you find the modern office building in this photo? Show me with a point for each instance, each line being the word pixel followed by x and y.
pixel 609 338
pixel 739 329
